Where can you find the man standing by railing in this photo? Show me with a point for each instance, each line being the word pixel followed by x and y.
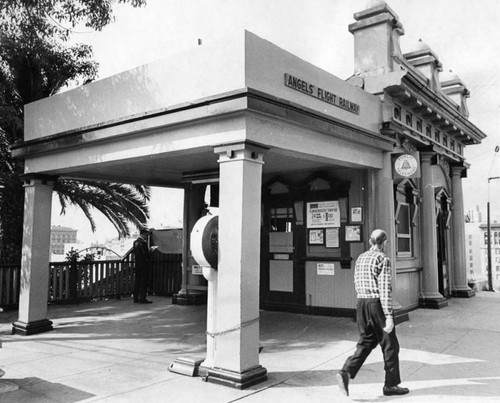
pixel 142 255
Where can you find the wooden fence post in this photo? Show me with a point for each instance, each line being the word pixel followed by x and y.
pixel 73 281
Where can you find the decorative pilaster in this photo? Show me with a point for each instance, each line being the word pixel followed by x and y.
pixel 459 287
pixel 236 310
pixel 430 296
pixel 33 296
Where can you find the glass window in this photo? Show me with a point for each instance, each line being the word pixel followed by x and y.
pixel 437 136
pixel 419 125
pixel 406 218
pixel 404 230
pixel 452 145
pixel 445 141
pixel 428 131
pixel 281 219
pixel 397 113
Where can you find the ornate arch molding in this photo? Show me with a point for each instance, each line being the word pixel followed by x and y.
pixel 411 192
pixel 444 165
pixel 443 204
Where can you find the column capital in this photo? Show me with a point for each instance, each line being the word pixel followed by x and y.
pixel 459 169
pixel 31 179
pixel 426 153
pixel 244 150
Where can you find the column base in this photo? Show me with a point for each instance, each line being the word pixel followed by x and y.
pixel 237 380
pixel 186 366
pixel 434 302
pixel 463 292
pixel 400 316
pixel 190 299
pixel 25 329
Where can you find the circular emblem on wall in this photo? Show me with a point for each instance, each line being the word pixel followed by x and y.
pixel 406 165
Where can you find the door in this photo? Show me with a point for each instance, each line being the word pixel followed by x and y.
pixel 443 216
pixel 280 260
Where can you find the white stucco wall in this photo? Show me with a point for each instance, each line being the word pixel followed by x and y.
pixel 204 71
pixel 266 65
pixel 179 79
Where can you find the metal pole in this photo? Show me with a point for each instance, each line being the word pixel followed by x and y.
pixel 490 280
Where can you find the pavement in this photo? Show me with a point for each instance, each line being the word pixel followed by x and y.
pixel 118 351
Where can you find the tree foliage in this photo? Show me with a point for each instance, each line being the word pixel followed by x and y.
pixel 36 61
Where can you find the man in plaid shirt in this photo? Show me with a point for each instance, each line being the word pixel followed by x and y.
pixel 372 280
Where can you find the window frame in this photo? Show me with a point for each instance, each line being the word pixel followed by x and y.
pixel 406 198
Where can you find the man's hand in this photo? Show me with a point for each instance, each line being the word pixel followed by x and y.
pixel 389 324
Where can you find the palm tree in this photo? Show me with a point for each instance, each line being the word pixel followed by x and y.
pixel 119 203
pixel 35 63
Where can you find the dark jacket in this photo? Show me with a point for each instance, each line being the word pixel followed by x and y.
pixel 141 253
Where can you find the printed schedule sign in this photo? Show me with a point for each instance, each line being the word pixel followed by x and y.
pixel 324 214
pixel 325 269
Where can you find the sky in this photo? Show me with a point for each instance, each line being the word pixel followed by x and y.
pixel 464 34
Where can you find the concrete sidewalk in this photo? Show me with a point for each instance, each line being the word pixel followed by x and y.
pixel 117 351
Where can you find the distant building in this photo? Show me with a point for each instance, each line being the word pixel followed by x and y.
pixel 495 252
pixel 59 236
pixel 476 270
pixel 476 234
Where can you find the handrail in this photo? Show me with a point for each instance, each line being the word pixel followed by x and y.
pixel 97 279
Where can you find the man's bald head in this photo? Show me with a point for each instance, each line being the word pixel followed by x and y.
pixel 377 238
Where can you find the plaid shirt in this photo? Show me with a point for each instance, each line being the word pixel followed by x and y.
pixel 372 278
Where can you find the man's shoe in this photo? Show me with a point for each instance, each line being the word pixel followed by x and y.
pixel 145 301
pixel 395 390
pixel 343 382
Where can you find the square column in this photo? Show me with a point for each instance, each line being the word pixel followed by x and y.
pixel 430 296
pixel 459 287
pixel 33 296
pixel 194 204
pixel 236 308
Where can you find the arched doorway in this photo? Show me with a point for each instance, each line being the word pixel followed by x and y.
pixel 443 217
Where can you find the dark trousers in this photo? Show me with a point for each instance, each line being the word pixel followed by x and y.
pixel 140 285
pixel 371 321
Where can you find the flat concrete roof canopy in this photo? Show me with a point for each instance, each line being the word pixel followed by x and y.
pixel 159 122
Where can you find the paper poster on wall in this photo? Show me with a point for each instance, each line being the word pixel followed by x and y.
pixel 324 214
pixel 316 236
pixel 353 233
pixel 332 238
pixel 325 269
pixel 197 270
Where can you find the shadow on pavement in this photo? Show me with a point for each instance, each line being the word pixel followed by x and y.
pixel 38 390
